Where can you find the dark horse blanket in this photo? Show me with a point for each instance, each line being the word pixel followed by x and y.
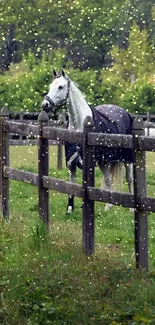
pixel 107 119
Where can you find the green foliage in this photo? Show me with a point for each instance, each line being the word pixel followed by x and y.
pixel 112 87
pixel 96 25
pixel 129 82
pixel 85 30
pixel 138 59
pixel 89 83
pixel 24 85
pixel 25 90
pixel 139 98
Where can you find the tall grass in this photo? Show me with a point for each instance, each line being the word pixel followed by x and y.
pixel 45 278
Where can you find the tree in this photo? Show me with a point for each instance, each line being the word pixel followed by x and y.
pixel 138 59
pixel 86 29
pixel 93 31
pixel 8 51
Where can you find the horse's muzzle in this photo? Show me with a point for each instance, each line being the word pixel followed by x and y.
pixel 46 106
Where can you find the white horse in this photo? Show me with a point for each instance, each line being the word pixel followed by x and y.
pixel 65 91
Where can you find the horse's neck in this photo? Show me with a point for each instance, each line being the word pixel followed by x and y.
pixel 78 108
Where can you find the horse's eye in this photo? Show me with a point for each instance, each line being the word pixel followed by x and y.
pixel 60 87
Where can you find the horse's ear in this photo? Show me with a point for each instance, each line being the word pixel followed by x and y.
pixel 55 73
pixel 63 73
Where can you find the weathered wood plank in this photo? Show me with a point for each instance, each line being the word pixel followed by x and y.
pixel 110 140
pixel 20 128
pixel 146 143
pixel 115 198
pixel 62 186
pixel 57 124
pixel 147 203
pixel 1 159
pixel 88 180
pixel 123 199
pixel 60 155
pixel 20 175
pixel 141 217
pixel 52 123
pixel 148 124
pixel 43 167
pixel 5 162
pixel 62 135
pixel 23 142
pixel 30 142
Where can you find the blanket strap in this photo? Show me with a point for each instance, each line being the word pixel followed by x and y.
pixel 73 157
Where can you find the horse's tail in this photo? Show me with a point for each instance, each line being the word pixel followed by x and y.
pixel 117 176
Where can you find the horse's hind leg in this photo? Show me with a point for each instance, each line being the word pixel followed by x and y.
pixel 129 176
pixel 107 178
pixel 72 179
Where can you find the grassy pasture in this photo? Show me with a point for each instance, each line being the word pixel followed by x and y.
pixel 46 279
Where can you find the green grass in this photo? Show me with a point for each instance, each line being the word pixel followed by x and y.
pixel 45 278
pixel 27 157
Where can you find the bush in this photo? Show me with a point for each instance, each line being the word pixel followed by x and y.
pixel 139 97
pixel 89 83
pixel 24 86
pixel 112 91
pixel 26 90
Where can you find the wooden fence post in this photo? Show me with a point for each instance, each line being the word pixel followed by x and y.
pixel 1 158
pixel 59 155
pixel 141 217
pixel 148 120
pixel 60 147
pixel 43 166
pixel 4 161
pixel 21 120
pixel 88 180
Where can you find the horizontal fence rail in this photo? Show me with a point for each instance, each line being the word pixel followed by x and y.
pixel 62 135
pixel 146 143
pixel 32 117
pixel 22 115
pixel 62 186
pixel 106 140
pixel 110 140
pixel 21 128
pixel 139 201
pixel 20 175
pixel 25 128
pixel 115 198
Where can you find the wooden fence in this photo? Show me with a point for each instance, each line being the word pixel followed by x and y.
pixel 32 118
pixel 138 200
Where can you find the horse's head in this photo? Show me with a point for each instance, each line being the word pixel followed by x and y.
pixel 58 92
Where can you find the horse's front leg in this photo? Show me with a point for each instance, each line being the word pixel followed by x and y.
pixel 72 179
